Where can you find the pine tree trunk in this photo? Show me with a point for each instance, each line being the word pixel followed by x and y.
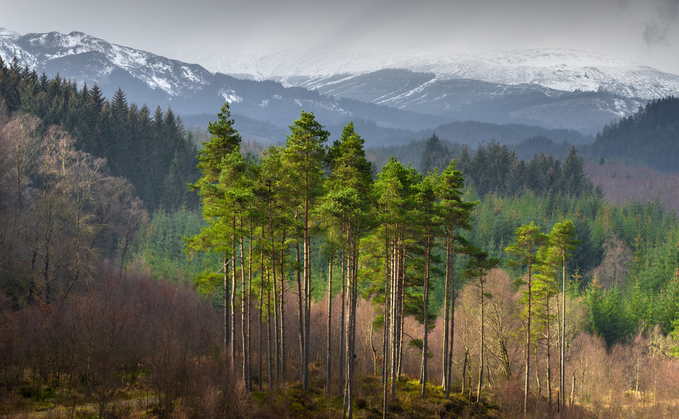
pixel 425 302
pixel 527 356
pixel 282 302
pixel 269 342
pixel 562 355
pixel 233 297
pixel 482 359
pixel 261 325
pixel 244 311
pixel 301 317
pixel 328 355
pixel 385 329
pixel 227 326
pixel 549 360
pixel 342 352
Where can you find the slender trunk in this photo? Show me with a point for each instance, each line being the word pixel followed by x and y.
pixel 282 302
pixel 451 332
pixel 307 296
pixel 385 330
pixel 275 291
pixel 244 329
pixel 562 355
pixel 401 309
pixel 233 296
pixel 340 377
pixel 268 336
pixel 464 370
pixel 394 319
pixel 261 324
pixel 527 356
pixel 276 342
pixel 549 359
pixel 481 360
pixel 446 318
pixel 301 317
pixel 227 298
pixel 328 354
pixel 537 375
pixel 425 302
pixel 351 327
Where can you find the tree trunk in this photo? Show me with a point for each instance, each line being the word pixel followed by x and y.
pixel 340 377
pixel 227 310
pixel 481 360
pixel 328 355
pixel 233 296
pixel 425 302
pixel 385 328
pixel 301 317
pixel 527 381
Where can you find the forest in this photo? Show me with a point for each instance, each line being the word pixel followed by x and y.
pixel 140 274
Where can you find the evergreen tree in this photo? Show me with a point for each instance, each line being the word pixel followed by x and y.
pixel 304 156
pixel 524 249
pixel 455 215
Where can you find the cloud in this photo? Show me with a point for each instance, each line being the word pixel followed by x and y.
pixel 669 9
pixel 654 34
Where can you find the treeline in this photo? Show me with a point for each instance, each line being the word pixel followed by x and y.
pixel 649 137
pixel 495 169
pixel 149 148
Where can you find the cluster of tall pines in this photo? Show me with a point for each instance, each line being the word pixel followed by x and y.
pixel 149 148
pixel 389 238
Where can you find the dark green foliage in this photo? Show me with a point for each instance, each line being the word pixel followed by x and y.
pixel 151 151
pixel 649 137
pixel 494 169
pixel 435 155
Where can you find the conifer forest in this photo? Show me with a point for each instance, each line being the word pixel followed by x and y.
pixel 147 269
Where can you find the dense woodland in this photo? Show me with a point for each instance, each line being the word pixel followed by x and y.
pixel 647 138
pixel 312 282
pixel 147 147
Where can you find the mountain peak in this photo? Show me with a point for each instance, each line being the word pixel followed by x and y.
pixel 7 34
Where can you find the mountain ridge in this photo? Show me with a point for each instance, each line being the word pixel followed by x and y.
pixel 554 89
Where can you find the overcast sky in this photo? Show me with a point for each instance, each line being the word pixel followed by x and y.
pixel 645 31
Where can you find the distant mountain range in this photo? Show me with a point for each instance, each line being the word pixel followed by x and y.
pixel 553 89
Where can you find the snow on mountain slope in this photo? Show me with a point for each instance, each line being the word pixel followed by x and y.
pixel 553 88
pixel 557 69
pixel 40 50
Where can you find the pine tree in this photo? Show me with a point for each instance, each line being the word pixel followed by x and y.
pixel 455 214
pixel 304 156
pixel 524 249
pixel 561 239
pixel 220 167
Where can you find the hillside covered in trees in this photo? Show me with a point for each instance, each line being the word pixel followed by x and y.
pixel 650 137
pixel 148 147
pixel 311 282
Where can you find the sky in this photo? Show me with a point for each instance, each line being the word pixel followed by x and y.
pixel 211 32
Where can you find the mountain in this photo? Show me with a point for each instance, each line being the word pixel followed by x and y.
pixel 188 89
pixel 553 89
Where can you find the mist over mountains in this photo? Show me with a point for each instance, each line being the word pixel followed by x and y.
pixel 397 101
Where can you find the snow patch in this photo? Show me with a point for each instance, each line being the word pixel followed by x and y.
pixel 230 96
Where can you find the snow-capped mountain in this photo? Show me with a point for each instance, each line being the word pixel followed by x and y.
pixel 549 88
